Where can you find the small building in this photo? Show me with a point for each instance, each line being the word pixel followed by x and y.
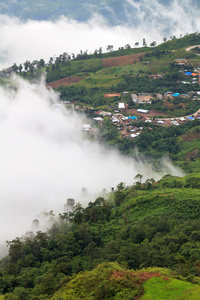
pixel 185 96
pixel 175 123
pixel 104 113
pixel 98 119
pixel 134 98
pixel 132 118
pixel 86 127
pixel 115 120
pixel 182 119
pixel 175 94
pixel 133 135
pixel 194 74
pixel 190 118
pixel 180 61
pixel 121 105
pixel 143 111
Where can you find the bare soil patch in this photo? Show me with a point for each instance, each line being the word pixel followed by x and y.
pixel 122 60
pixel 64 81
pixel 192 155
pixel 188 137
pixel 140 276
pixel 112 95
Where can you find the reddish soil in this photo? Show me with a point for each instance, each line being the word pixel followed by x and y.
pixel 192 155
pixel 64 81
pixel 112 95
pixel 121 60
pixel 141 276
pixel 138 277
pixel 190 137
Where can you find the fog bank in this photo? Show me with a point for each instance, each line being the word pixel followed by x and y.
pixel 45 158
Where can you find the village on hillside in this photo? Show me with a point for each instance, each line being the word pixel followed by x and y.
pixel 132 107
pixel 126 118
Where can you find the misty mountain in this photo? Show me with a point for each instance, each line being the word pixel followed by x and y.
pixel 114 12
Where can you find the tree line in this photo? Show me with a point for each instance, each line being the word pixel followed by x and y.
pixel 146 224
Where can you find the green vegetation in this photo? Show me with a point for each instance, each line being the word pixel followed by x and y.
pixel 169 289
pixel 79 68
pixel 111 281
pixel 142 226
pixel 102 283
pixel 92 253
pixel 155 141
pixel 122 52
pixel 94 81
pixel 175 44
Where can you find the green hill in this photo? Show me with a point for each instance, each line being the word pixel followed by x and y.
pixel 146 225
pixel 178 43
pixel 85 79
pixel 111 281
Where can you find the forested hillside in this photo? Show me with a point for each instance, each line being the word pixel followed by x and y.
pixel 150 224
pixel 137 241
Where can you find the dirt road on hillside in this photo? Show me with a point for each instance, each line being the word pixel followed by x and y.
pixel 189 48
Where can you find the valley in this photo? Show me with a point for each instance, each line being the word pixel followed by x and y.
pixel 135 107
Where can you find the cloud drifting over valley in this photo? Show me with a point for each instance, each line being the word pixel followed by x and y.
pixel 45 158
pixel 30 40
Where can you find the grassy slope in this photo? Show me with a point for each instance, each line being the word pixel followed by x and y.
pixel 175 44
pixel 170 196
pixel 94 75
pixel 141 212
pixel 170 289
pixel 111 281
pixel 189 155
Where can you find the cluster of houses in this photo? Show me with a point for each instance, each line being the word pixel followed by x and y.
pixel 127 124
pixel 145 98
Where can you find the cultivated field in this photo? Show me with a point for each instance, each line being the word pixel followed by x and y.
pixel 64 81
pixel 122 60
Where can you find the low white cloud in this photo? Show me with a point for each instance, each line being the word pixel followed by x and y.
pixel 171 18
pixel 30 40
pixel 45 158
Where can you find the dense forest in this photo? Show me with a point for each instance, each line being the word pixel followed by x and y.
pixel 148 224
